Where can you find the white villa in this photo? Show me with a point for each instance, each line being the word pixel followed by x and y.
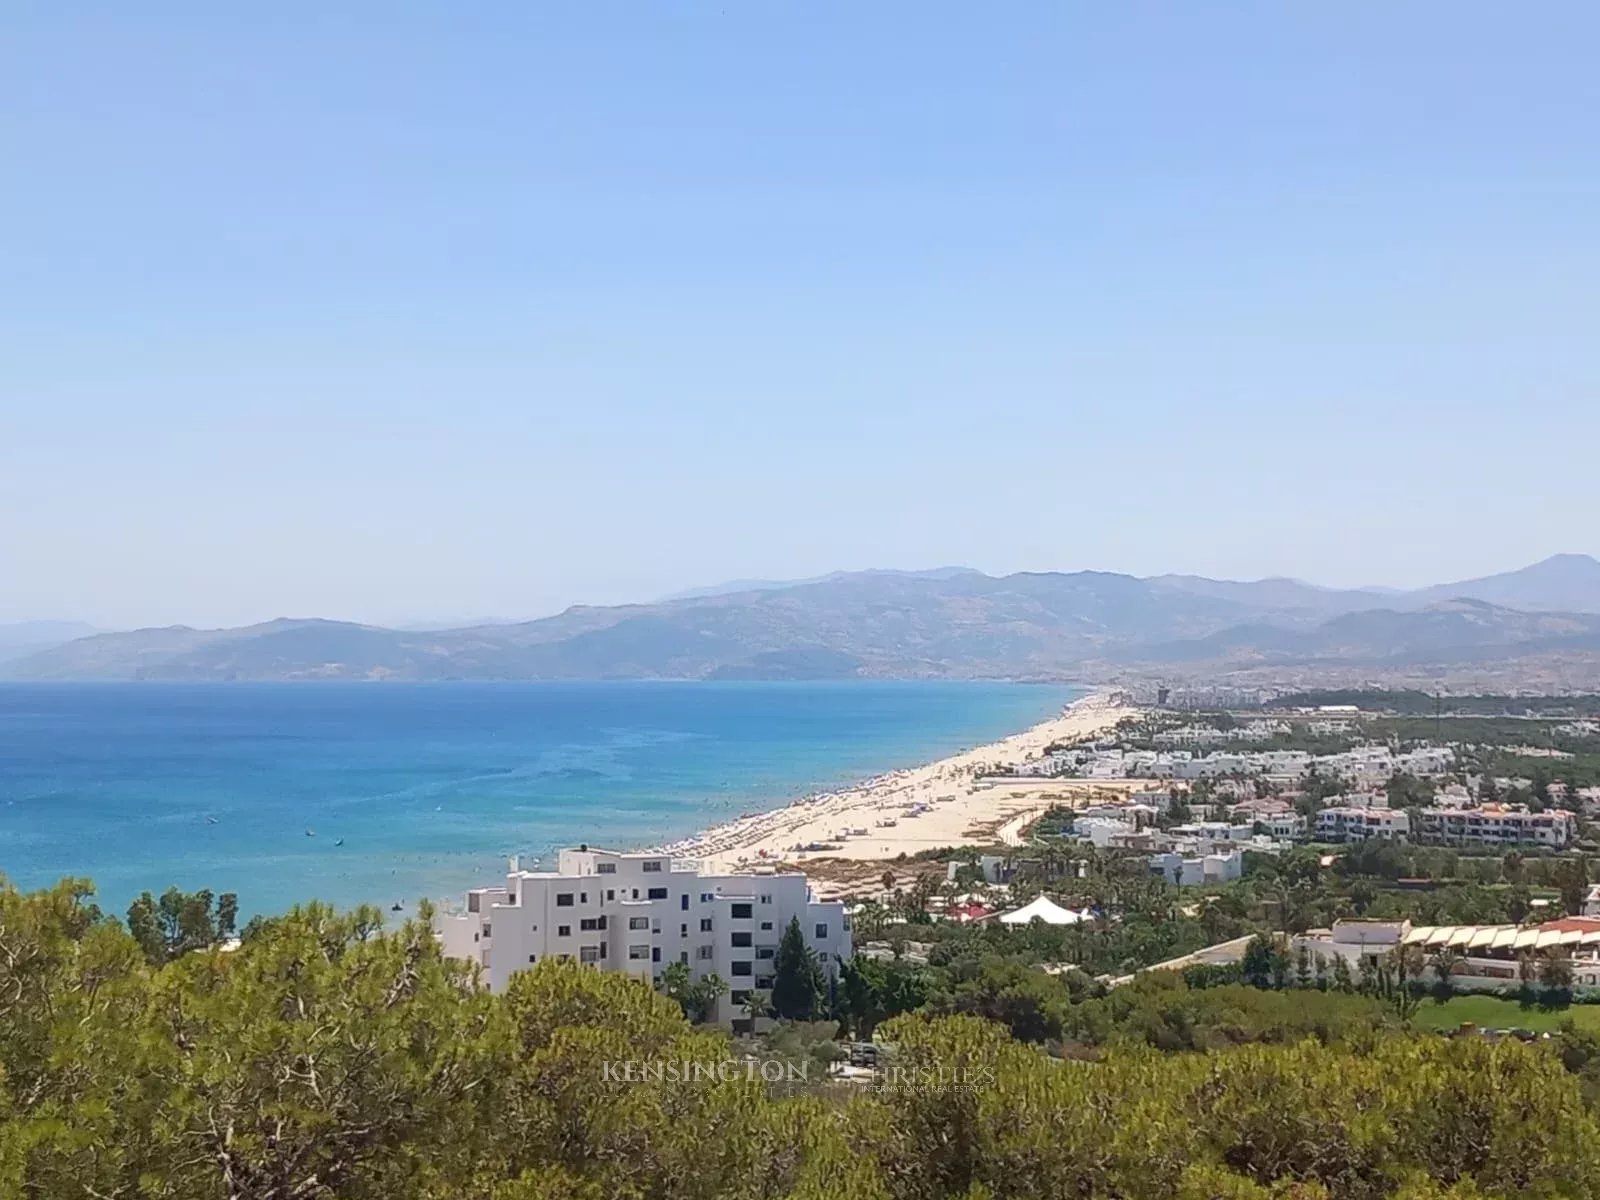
pixel 1479 957
pixel 639 912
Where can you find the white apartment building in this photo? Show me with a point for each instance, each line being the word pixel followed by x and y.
pixel 1102 831
pixel 1193 869
pixel 640 912
pixel 1286 826
pixel 1283 763
pixel 1205 735
pixel 1349 824
pixel 1213 831
pixel 1188 735
pixel 1496 825
pixel 1277 817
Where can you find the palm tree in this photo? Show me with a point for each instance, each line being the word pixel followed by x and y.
pixel 1445 962
pixel 868 921
pixel 1406 964
pixel 756 1006
pixel 1556 970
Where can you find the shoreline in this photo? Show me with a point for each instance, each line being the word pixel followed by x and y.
pixel 905 811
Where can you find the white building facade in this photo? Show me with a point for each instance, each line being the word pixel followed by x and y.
pixel 1194 869
pixel 640 913
pixel 1348 824
pixel 1497 825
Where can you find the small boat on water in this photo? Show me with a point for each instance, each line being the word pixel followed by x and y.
pixel 311 833
pixel 340 842
pixel 210 820
pixel 395 907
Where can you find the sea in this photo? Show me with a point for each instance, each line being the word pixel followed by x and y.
pixel 384 793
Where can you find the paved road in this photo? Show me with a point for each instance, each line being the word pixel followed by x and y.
pixel 1219 955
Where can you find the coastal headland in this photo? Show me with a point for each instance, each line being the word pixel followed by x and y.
pixel 947 802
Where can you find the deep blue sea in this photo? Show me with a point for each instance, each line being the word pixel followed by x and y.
pixel 387 792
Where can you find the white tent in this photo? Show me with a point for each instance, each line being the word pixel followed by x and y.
pixel 1043 909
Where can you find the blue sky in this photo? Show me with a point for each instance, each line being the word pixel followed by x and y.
pixel 402 312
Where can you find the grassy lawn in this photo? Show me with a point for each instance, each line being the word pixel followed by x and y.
pixel 1492 1012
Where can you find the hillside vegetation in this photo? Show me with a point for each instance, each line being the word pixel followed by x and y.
pixel 327 1058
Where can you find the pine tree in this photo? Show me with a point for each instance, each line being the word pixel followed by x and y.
pixel 797 983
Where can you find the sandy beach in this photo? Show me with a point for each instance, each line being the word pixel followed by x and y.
pixel 939 804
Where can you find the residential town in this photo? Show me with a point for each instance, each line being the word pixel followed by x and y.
pixel 1204 803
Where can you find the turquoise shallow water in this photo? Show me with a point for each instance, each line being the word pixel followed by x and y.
pixel 430 786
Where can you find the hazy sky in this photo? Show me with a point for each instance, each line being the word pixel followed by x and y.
pixel 403 312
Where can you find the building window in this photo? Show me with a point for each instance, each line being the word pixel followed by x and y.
pixel 591 924
pixel 486 931
pixel 683 930
pixel 653 865
pixel 741 910
pixel 764 981
pixel 657 894
pixel 822 933
pixel 655 953
pixel 563 930
pixel 683 957
pixel 683 902
pixel 605 868
pixel 583 897
pixel 702 952
pixel 638 922
pixel 638 953
pixel 533 958
pixel 741 939
pixel 705 924
pixel 563 899
pixel 766 927
pixel 766 899
pixel 738 999
pixel 766 952
pixel 611 893
pixel 706 897
pixel 743 968
pixel 588 954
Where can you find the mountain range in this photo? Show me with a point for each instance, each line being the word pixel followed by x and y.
pixel 945 623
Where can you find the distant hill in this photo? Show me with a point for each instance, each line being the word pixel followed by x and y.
pixel 733 587
pixel 1450 633
pixel 1284 596
pixel 21 638
pixel 947 623
pixel 1561 583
